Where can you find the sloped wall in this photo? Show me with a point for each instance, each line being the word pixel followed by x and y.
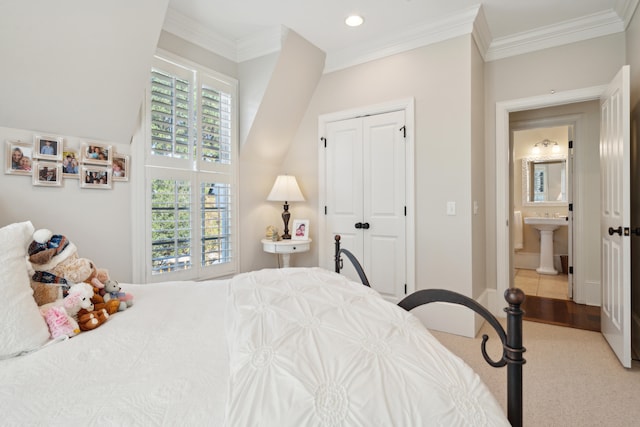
pixel 77 67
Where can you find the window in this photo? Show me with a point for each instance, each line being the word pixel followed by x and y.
pixel 190 173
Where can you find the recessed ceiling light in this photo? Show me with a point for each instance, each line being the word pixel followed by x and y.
pixel 354 20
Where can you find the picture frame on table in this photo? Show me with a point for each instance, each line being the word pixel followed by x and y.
pixel 48 148
pixel 19 158
pixel 120 167
pixel 300 229
pixel 97 177
pixel 47 174
pixel 71 164
pixel 96 153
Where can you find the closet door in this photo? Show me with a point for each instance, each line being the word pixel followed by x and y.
pixel 344 184
pixel 366 181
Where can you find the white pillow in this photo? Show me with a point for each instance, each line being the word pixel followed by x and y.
pixel 22 327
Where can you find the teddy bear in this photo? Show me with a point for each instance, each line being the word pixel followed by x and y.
pixel 111 292
pixel 56 266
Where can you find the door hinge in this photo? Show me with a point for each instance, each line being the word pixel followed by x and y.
pixel 403 129
pixel 324 140
pixel 570 207
pixel 405 211
pixel 570 144
pixel 405 288
pixel 571 269
pixel 325 210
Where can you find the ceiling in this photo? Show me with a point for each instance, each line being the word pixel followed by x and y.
pixel 248 26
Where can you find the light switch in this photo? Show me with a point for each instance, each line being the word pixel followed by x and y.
pixel 451 208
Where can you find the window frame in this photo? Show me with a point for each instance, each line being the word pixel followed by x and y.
pixel 193 169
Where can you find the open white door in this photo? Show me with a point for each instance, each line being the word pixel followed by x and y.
pixel 615 216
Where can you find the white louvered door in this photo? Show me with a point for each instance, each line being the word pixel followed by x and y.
pixel 366 185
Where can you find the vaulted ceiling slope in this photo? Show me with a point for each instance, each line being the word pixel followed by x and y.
pixel 242 30
pixel 78 67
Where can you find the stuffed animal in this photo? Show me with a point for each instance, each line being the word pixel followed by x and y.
pixel 56 266
pixel 79 306
pixel 112 293
pixel 60 323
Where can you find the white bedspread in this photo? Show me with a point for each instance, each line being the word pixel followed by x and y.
pixel 162 362
pixel 310 348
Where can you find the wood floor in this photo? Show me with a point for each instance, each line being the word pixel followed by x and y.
pixel 547 302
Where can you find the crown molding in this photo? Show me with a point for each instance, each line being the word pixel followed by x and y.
pixel 412 38
pixel 470 21
pixel 625 10
pixel 198 34
pixel 571 31
pixel 260 44
pixel 481 32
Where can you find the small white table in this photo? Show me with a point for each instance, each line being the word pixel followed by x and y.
pixel 285 248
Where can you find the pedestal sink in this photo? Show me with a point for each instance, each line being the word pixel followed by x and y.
pixel 546 227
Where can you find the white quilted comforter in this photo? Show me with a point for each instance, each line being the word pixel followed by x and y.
pixel 303 347
pixel 162 362
pixel 310 348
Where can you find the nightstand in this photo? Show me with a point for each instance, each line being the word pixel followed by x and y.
pixel 285 248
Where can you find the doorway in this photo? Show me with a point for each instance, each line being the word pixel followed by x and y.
pixel 542 153
pixel 582 110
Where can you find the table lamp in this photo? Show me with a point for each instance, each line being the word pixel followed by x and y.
pixel 286 190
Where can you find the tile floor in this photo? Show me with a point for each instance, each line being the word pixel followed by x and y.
pixel 542 285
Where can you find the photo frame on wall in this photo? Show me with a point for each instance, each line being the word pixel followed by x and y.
pixel 120 167
pixel 71 164
pixel 18 157
pixel 300 229
pixel 47 174
pixel 95 153
pixel 93 176
pixel 47 148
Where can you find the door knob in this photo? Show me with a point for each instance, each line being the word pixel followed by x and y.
pixel 613 231
pixel 358 225
pixel 365 225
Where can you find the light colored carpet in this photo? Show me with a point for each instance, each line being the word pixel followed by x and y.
pixel 571 378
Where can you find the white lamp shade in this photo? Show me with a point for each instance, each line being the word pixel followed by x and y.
pixel 285 189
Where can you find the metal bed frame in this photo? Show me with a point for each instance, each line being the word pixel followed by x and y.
pixel 512 349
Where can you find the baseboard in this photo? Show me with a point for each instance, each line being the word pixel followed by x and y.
pixel 452 318
pixel 531 261
pixel 526 260
pixel 635 333
pixel 592 293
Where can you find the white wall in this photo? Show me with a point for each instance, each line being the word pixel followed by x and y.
pixel 97 221
pixel 439 78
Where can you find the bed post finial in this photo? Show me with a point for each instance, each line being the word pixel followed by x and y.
pixel 513 354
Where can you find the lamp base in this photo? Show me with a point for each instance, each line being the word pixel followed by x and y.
pixel 285 218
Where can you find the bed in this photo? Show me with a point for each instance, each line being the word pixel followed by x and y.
pixel 274 347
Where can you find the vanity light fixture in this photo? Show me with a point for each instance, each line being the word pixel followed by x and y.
pixel 546 143
pixel 354 20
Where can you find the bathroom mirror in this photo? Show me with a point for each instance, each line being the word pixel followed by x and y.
pixel 544 181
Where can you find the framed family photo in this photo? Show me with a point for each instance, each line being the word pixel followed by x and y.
pixel 47 148
pixel 70 164
pixel 95 177
pixel 19 158
pixel 94 153
pixel 300 229
pixel 47 174
pixel 120 167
